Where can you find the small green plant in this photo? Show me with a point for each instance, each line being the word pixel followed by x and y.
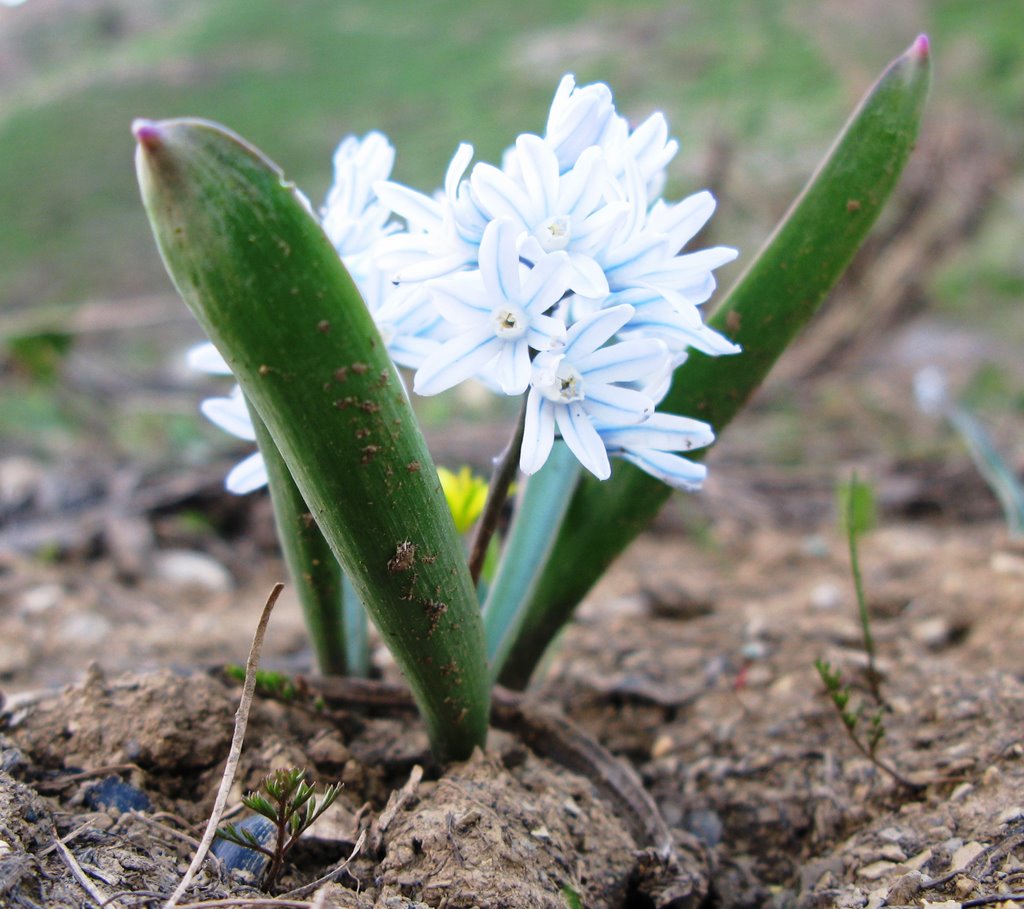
pixel 866 735
pixel 269 683
pixel 864 725
pixel 290 804
pixel 857 506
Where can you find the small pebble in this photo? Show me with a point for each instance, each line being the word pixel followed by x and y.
pixel 115 793
pixel 933 633
pixel 664 744
pixel 1009 815
pixel 965 855
pixel 961 792
pixel 186 568
pixel 875 870
pixel 40 600
pixel 826 596
pixel 1007 563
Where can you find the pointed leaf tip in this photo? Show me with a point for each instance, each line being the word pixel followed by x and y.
pixel 147 132
pixel 919 50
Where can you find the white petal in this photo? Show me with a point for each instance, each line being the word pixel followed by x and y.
pixel 231 415
pixel 501 196
pixel 677 472
pixel 684 220
pixel 514 368
pixel 434 267
pixel 546 283
pixel 539 168
pixel 538 433
pixel 499 261
pixel 586 277
pixel 615 405
pixel 456 360
pixel 626 361
pixel 460 161
pixel 247 475
pixel 461 299
pixel 580 190
pixel 205 357
pixel 589 333
pixel 546 332
pixel 582 438
pixel 662 432
pixel 418 209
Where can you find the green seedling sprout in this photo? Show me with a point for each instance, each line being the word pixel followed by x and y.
pixel 290 804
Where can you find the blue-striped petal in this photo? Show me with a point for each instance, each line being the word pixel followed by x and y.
pixel 538 433
pixel 677 472
pixel 590 332
pixel 579 434
pixel 457 360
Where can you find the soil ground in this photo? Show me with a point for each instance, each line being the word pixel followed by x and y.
pixel 693 661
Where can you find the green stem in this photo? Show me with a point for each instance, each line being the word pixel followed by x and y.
pixel 313 568
pixel 858 586
pixel 357 638
pixel 542 506
pixel 505 469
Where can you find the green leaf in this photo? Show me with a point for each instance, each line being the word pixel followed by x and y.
pixel 769 304
pixel 311 564
pixel 856 505
pixel 253 264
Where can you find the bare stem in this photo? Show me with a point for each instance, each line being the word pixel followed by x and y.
pixel 497 493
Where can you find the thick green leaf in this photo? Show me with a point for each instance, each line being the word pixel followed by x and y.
pixel 764 311
pixel 254 266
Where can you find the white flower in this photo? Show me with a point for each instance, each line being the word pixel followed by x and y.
pixel 582 116
pixel 352 217
pixel 576 388
pixel 499 314
pixel 555 211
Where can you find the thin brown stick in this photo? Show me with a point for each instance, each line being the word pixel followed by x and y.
pixel 88 886
pixel 245 901
pixel 993 898
pixel 241 721
pixel 505 468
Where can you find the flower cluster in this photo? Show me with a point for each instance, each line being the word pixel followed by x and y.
pixel 559 275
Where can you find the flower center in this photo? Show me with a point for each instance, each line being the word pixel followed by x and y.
pixel 510 321
pixel 557 379
pixel 554 233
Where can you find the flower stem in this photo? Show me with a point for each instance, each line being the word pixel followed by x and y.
pixel 505 468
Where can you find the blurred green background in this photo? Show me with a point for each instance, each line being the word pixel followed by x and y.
pixel 754 90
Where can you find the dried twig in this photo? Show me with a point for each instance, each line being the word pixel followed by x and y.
pixel 330 875
pixel 268 901
pixel 88 886
pixel 241 721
